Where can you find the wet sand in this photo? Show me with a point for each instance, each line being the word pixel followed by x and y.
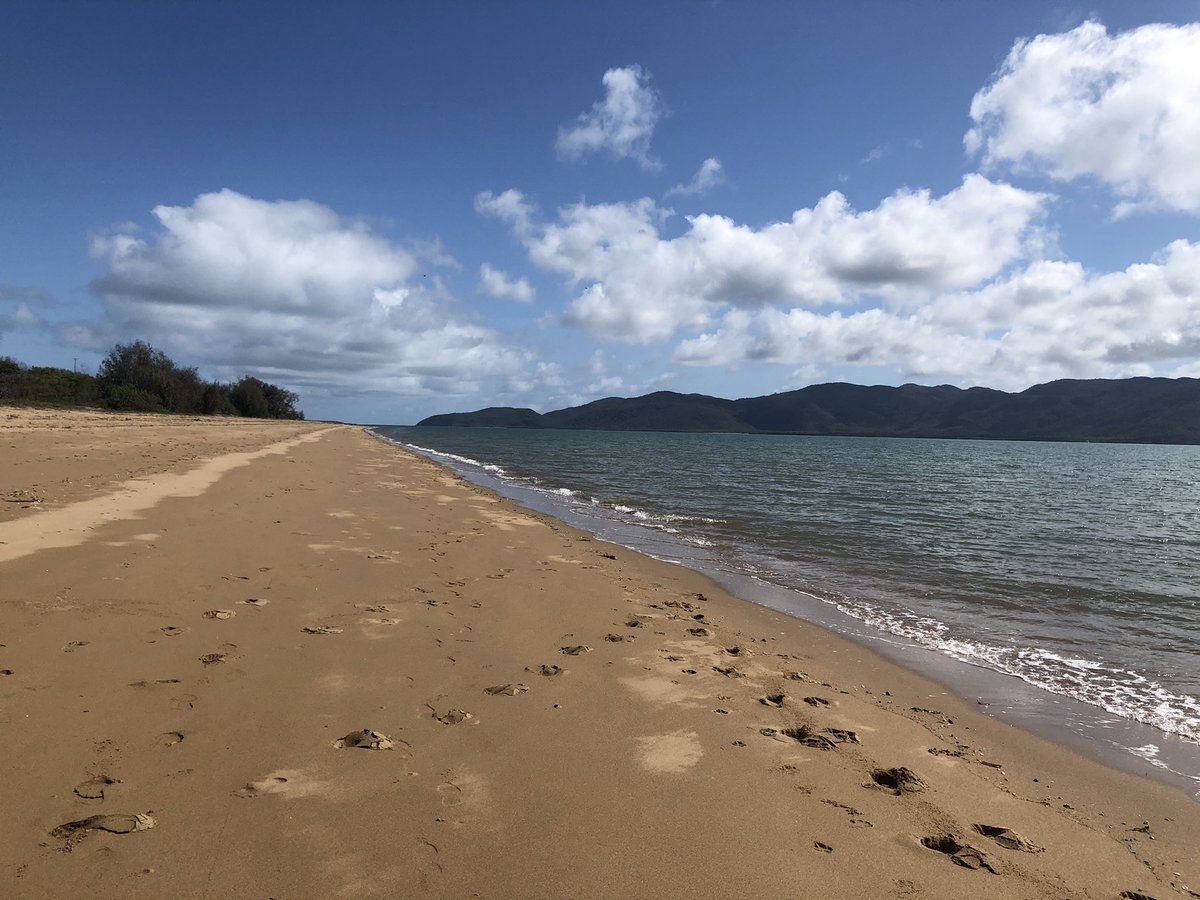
pixel 289 660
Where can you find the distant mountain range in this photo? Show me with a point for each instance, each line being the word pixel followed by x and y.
pixel 1130 410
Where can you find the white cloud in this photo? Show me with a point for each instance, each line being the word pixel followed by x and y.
pixel 294 290
pixel 495 283
pixel 885 149
pixel 509 206
pixel 1050 320
pixel 1123 108
pixel 18 315
pixel 622 123
pixel 634 285
pixel 708 176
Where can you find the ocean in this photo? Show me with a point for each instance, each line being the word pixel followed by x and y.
pixel 1057 583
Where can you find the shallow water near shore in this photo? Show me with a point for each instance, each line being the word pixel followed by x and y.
pixel 1053 582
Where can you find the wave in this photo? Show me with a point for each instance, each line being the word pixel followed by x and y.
pixel 1122 692
pixel 465 460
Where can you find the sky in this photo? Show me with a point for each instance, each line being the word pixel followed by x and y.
pixel 400 209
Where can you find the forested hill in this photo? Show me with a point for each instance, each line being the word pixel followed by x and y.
pixel 1140 410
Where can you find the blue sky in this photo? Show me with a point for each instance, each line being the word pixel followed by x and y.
pixel 400 209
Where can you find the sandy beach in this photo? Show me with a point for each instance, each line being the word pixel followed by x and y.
pixel 288 660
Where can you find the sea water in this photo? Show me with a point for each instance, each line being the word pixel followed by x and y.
pixel 1071 569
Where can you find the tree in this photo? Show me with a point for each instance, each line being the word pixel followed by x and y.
pixel 281 403
pixel 136 376
pixel 215 401
pixel 250 398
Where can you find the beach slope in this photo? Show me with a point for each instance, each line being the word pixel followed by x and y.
pixel 290 660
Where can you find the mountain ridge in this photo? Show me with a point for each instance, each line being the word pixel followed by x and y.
pixel 1128 410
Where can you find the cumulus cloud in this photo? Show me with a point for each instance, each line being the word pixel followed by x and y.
pixel 622 123
pixel 18 315
pixel 1052 319
pixel 495 283
pixel 708 176
pixel 1122 108
pixel 17 307
pixel 290 289
pixel 635 285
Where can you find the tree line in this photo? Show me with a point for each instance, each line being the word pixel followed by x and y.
pixel 137 377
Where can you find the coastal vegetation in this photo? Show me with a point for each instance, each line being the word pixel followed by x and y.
pixel 137 377
pixel 1132 410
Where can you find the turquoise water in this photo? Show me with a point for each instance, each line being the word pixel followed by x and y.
pixel 1072 567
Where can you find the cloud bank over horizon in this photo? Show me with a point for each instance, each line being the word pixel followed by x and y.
pixel 294 289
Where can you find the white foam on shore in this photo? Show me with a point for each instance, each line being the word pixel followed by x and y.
pixel 465 460
pixel 1121 692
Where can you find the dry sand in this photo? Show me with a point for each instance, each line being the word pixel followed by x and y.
pixel 521 711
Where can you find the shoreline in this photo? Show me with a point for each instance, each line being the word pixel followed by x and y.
pixel 555 715
pixel 1125 744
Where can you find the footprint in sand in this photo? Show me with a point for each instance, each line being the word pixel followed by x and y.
pixel 827 739
pixel 465 793
pixel 93 788
pixel 171 630
pixel 546 670
pixel 74 645
pixel 429 870
pixel 211 659
pixel 219 614
pixel 380 621
pixel 289 784
pixel 169 738
pixel 842 735
pixel 450 793
pixel 775 700
pixel 856 816
pixel 616 638
pixel 816 701
pixel 256 601
pixel 6 672
pixel 680 604
pixel 116 824
pixel 899 781
pixel 453 716
pixel 365 739
pixel 575 650
pixel 1008 839
pixel 506 690
pixel 270 785
pixel 961 854
pixel 320 629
